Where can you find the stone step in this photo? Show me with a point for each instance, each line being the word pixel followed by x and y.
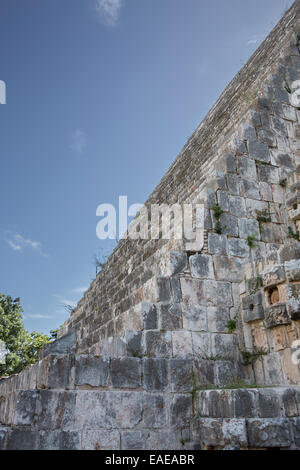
pixel 252 433
pixel 271 402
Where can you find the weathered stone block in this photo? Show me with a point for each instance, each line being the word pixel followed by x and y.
pixel 194 317
pixel 219 293
pixel 181 410
pixel 218 318
pixel 178 262
pixel 181 374
pixel 125 372
pixel 248 227
pixel 64 345
pixel 229 225
pixel 250 189
pixel 224 346
pixel 233 183
pixel 158 344
pixel 171 317
pixel 268 433
pixel 235 433
pixel 217 244
pixel 155 374
pixel 193 292
pixel 56 410
pixel 246 168
pixel 182 344
pixel 277 315
pixel 237 206
pixel 268 174
pixel 238 247
pixel 22 440
pixel 201 267
pixel 91 370
pixel 258 151
pixel 97 410
pixel 228 269
pixel 268 403
pixel 293 301
pixel 149 315
pixel 292 269
pixel 204 372
pixel 108 439
pixel 134 440
pixel 201 345
pixel 155 411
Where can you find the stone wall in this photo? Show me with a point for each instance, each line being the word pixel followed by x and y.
pixel 163 322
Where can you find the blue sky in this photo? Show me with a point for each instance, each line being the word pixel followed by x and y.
pixel 101 97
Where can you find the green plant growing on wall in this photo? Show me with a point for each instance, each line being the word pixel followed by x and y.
pixel 251 239
pixel 293 235
pixel 250 357
pixel 231 325
pixel 283 183
pixel 217 213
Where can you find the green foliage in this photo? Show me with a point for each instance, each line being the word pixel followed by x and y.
pixel 231 325
pixel 293 235
pixel 251 239
pixel 218 228
pixel 54 333
pixel 283 183
pixel 23 347
pixel 218 212
pixel 250 357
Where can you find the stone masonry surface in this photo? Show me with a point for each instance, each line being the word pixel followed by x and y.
pixel 180 348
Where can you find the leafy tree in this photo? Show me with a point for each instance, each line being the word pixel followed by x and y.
pixel 23 347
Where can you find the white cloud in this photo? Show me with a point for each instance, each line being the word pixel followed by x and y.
pixel 254 40
pixel 18 243
pixel 108 11
pixel 80 290
pixel 38 316
pixel 78 141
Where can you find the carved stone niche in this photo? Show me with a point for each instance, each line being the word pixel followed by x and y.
pixel 274 281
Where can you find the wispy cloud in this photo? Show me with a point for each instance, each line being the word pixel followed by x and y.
pixel 78 141
pixel 18 243
pixel 80 290
pixel 38 316
pixel 108 11
pixel 254 40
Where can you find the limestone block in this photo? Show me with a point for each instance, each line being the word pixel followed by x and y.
pixel 56 410
pixel 181 374
pixel 271 233
pixel 256 208
pixel 155 411
pixel 274 276
pixel 237 206
pixel 134 343
pixel 182 344
pixel 204 372
pixel 265 191
pixel 134 440
pixel 233 183
pixel 268 174
pixel 175 289
pixel 25 407
pixel 170 316
pixel 193 291
pixel 201 267
pixel 125 372
pixel 155 374
pixel 250 189
pixel 229 225
pixel 235 433
pixel 248 227
pixel 268 403
pixel 292 269
pixel 277 315
pixel 260 339
pixel 246 131
pixel 108 439
pixel 97 409
pixel 228 268
pixel 223 200
pixel 238 247
pixel 218 318
pixel 281 159
pixel 178 262
pixel 293 300
pixel 237 146
pixel 218 294
pixel 227 163
pixel 268 433
pixel 149 315
pixel 181 410
pixel 291 403
pixel 246 168
pixel 21 440
pixel 158 344
pixel 291 370
pixel 258 151
pixel 194 317
pixel 217 244
pixel 268 137
pixel 280 338
pixel 201 345
pixel 64 345
pixel 296 431
pixel 224 346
